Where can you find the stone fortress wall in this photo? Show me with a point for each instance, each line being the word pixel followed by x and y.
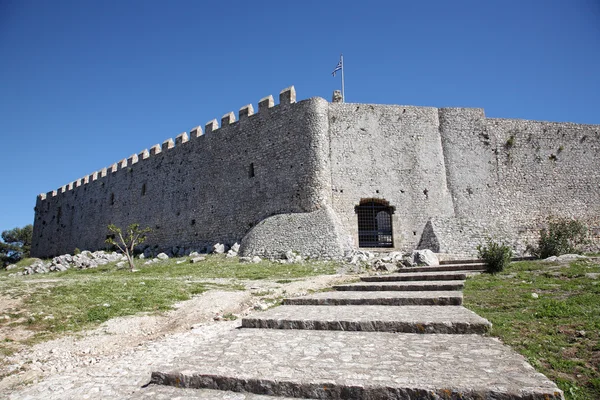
pixel 289 176
pixel 506 176
pixel 196 191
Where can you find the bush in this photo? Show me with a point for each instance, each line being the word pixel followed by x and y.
pixel 563 236
pixel 495 255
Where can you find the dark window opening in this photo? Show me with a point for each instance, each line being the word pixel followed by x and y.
pixel 193 222
pixel 144 189
pixel 374 223
pixel 112 199
pixel 251 171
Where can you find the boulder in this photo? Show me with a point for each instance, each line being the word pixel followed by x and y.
pixel 197 259
pixel 425 257
pixel 290 256
pixel 396 256
pixel 232 253
pixel 381 265
pixel 87 254
pixel 162 256
pixel 219 248
pixel 407 263
pixel 570 257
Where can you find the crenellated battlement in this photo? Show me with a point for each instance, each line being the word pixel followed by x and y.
pixel 286 97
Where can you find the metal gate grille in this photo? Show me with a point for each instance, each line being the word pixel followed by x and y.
pixel 374 224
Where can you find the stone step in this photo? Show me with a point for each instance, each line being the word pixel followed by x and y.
pixel 480 261
pixel 162 392
pixel 463 261
pixel 357 365
pixel 406 319
pixel 402 286
pixel 417 276
pixel 477 267
pixel 361 298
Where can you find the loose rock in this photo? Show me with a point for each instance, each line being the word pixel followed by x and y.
pixel 219 248
pixel 425 257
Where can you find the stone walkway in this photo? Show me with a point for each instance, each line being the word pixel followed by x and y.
pixel 310 348
pixel 392 298
pixel 378 318
pixel 233 363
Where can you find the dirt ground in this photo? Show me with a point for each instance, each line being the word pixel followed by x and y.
pixel 120 336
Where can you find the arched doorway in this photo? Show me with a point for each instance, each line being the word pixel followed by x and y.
pixel 374 223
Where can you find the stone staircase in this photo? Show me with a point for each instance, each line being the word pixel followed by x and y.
pixel 398 336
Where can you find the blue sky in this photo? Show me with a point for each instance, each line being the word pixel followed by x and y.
pixel 85 83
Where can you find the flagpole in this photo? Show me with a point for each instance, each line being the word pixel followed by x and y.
pixel 343 94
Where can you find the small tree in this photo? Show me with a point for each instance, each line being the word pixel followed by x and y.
pixel 563 236
pixel 496 256
pixel 134 236
pixel 15 244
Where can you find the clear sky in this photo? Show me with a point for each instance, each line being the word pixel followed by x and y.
pixel 86 83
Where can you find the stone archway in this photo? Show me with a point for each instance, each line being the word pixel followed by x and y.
pixel 375 223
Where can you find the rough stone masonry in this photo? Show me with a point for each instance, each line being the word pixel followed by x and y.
pixel 321 178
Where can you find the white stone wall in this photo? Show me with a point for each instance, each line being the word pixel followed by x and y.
pixel 312 162
pixel 392 153
pixel 199 192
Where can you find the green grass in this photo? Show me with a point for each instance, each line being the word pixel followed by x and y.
pixel 77 305
pixel 558 332
pixel 215 266
pixel 58 303
pixel 79 299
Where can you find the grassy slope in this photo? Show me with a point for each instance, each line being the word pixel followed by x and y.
pixel 78 299
pixel 558 332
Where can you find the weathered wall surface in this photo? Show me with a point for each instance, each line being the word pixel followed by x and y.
pixel 457 177
pixel 315 234
pixel 214 187
pixel 507 176
pixel 454 177
pixel 392 153
pixel 547 168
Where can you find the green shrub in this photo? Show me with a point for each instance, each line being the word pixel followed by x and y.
pixel 563 236
pixel 496 256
